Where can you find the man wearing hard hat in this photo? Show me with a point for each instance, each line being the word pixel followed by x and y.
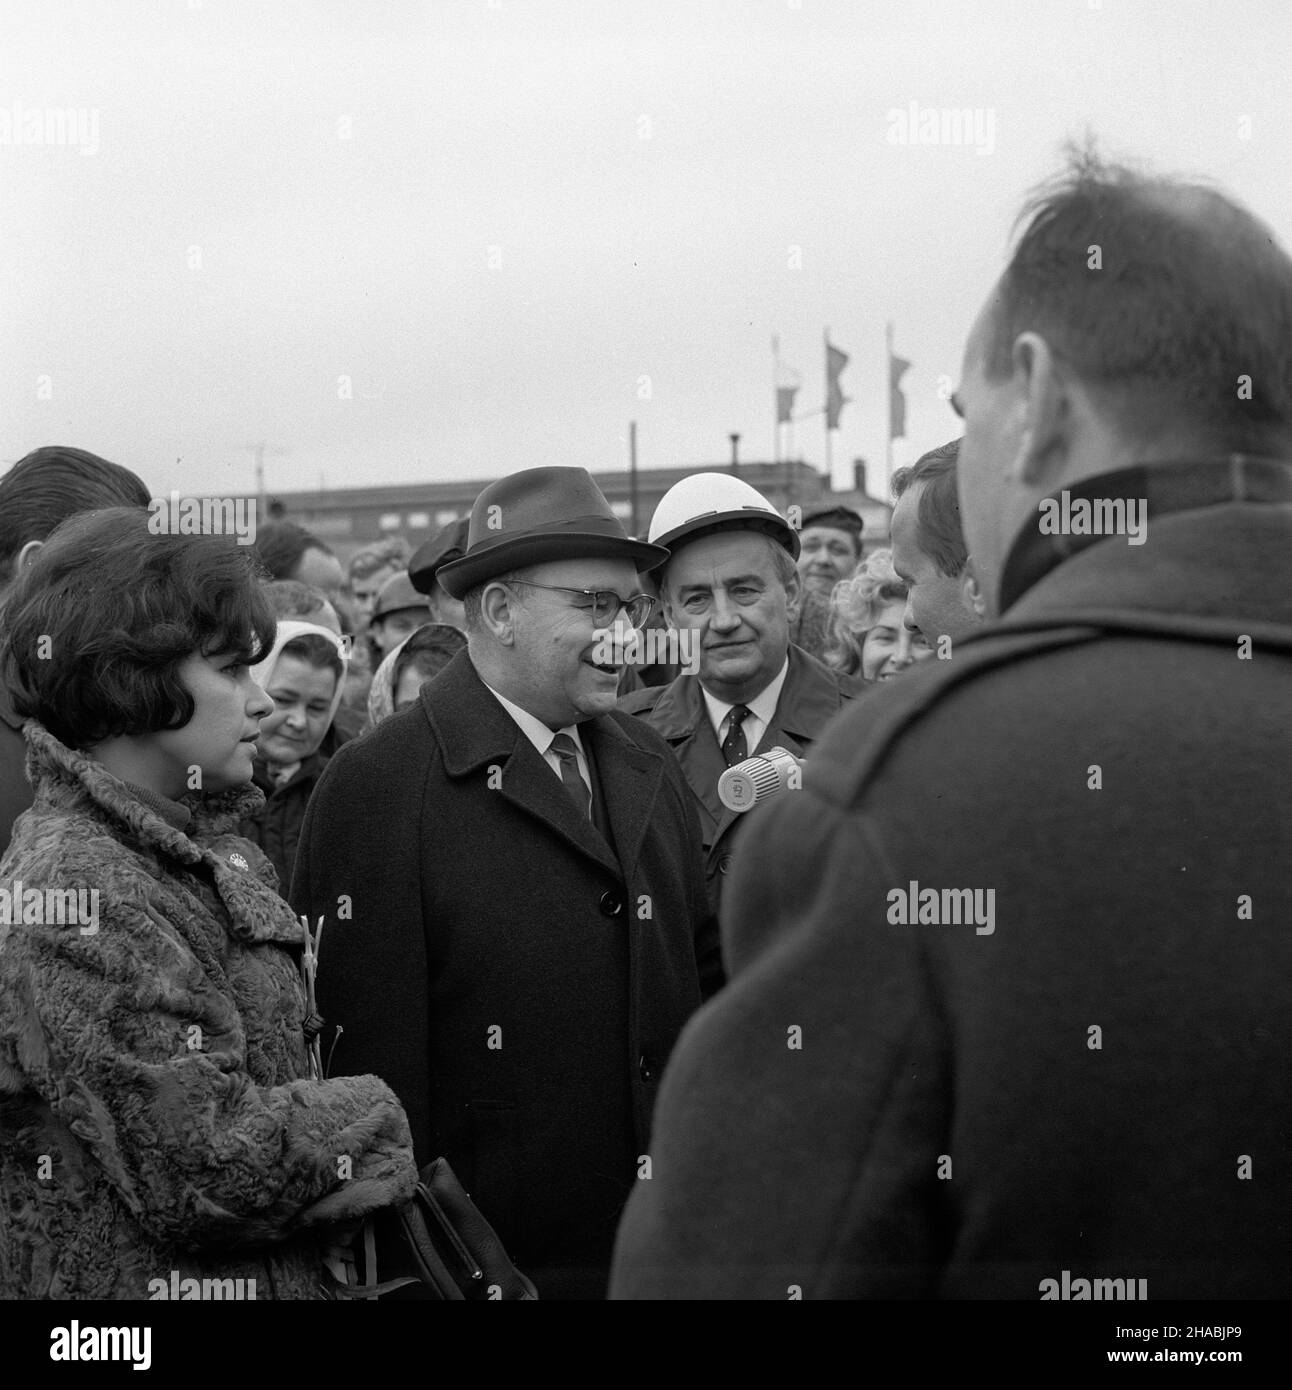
pixel 731 576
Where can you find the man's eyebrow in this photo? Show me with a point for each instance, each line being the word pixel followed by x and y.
pixel 957 404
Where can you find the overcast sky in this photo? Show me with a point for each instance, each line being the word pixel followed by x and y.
pixel 515 225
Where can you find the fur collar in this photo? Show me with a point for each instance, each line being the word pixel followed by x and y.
pixel 64 777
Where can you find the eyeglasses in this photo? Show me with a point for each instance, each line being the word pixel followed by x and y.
pixel 606 604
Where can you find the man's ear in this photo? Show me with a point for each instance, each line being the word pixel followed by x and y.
pixel 25 556
pixel 1043 400
pixel 971 594
pixel 793 596
pixel 496 612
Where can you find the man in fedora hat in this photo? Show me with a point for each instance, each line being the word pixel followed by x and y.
pixel 516 924
pixel 424 568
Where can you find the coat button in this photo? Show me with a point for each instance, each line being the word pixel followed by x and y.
pixel 644 1068
pixel 611 904
pixel 724 864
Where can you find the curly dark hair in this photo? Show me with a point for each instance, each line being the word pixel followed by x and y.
pixel 96 629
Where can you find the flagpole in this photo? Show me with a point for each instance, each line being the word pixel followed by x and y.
pixel 829 463
pixel 776 399
pixel 888 441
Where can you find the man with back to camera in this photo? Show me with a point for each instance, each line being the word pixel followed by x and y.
pixel 1043 1019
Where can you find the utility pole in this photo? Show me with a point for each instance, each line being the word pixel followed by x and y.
pixel 632 475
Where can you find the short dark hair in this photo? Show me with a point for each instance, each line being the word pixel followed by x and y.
pixel 292 599
pixel 938 531
pixel 48 485
pixel 314 650
pixel 429 650
pixel 123 609
pixel 280 545
pixel 1192 292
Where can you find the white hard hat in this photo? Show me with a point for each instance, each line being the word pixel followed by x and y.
pixel 707 502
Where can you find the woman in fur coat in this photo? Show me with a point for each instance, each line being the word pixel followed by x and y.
pixel 159 1135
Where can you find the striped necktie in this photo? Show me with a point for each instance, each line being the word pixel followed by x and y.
pixel 567 751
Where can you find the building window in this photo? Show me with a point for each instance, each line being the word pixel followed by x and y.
pixel 419 521
pixel 442 517
pixel 623 510
pixel 390 521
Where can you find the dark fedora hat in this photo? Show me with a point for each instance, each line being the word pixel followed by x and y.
pixel 542 514
pixel 431 556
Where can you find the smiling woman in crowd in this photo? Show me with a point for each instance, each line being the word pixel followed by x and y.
pixel 304 675
pixel 155 1115
pixel 867 634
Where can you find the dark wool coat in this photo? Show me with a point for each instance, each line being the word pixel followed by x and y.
pixel 811 696
pixel 276 827
pixel 519 986
pixel 152 1114
pixel 948 1124
pixel 15 790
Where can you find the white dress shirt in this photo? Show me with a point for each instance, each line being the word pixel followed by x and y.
pixel 541 737
pixel 761 708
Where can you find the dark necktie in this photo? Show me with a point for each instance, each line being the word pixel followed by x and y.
pixel 566 750
pixel 733 746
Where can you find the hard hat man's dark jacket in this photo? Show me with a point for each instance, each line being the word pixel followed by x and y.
pixel 517 981
pixel 1096 1088
pixel 811 696
pixel 15 789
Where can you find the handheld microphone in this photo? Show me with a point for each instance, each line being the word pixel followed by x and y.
pixel 748 783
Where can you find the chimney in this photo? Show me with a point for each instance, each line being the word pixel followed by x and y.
pixel 859 476
pixel 735 452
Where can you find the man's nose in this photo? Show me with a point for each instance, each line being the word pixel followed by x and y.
pixel 725 614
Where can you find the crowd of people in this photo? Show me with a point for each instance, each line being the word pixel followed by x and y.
pixel 995 991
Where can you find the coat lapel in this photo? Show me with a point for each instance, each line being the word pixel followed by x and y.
pixel 683 722
pixel 477 736
pixel 630 782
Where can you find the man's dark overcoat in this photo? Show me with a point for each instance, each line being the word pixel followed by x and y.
pixel 1099 1084
pixel 518 985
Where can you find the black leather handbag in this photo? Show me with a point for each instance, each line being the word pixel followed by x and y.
pixel 438 1245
